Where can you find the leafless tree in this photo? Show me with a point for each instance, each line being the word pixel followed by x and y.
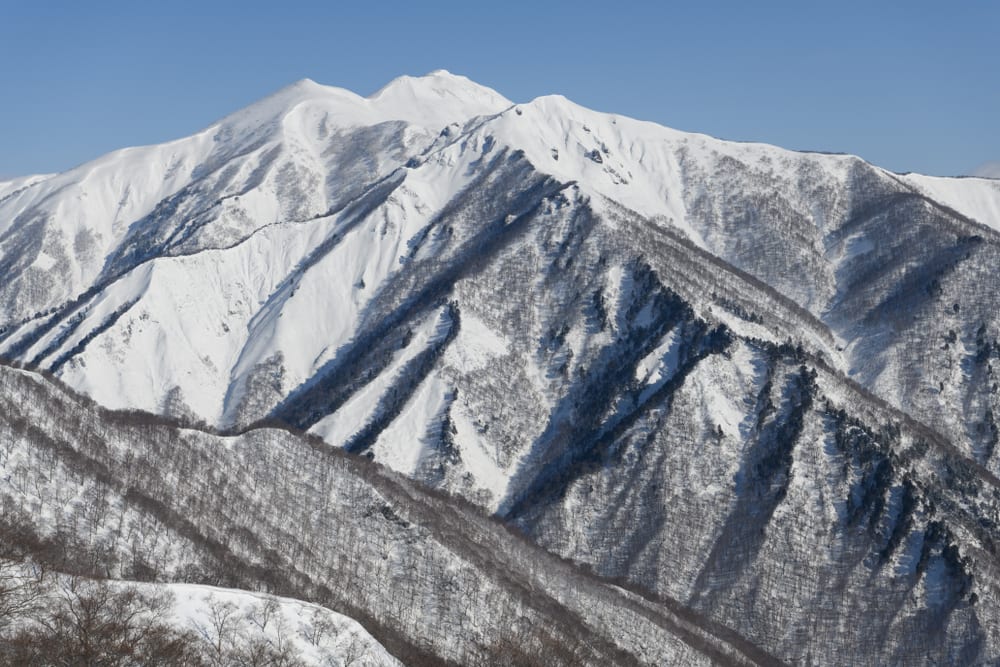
pixel 85 622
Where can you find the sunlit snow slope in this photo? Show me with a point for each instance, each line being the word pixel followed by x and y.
pixel 555 312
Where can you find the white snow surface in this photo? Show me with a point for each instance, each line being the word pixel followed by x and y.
pixel 363 406
pixel 976 198
pixel 272 183
pixel 315 635
pixel 434 100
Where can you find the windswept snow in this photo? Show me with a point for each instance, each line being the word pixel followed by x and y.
pixel 977 198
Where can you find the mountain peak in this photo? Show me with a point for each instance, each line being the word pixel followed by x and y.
pixel 433 101
pixel 440 87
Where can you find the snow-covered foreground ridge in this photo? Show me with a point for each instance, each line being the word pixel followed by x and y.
pixel 609 333
pixel 53 618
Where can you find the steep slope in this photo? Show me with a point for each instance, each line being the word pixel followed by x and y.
pixel 690 363
pixel 807 508
pixel 301 153
pixel 261 242
pixel 431 578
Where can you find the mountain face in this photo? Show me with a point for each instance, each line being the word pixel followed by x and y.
pixel 126 495
pixel 757 383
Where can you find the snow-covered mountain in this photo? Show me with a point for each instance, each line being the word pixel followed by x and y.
pixel 690 363
pixel 128 496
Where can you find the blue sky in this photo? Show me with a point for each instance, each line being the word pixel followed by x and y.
pixel 910 86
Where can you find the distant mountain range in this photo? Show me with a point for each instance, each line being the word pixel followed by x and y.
pixel 757 387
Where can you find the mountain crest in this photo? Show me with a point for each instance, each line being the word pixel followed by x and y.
pixel 694 364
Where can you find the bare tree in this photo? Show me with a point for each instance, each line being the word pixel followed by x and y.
pixel 91 623
pixel 21 592
pixel 354 651
pixel 220 631
pixel 261 615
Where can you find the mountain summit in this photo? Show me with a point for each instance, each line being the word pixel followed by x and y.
pixel 758 381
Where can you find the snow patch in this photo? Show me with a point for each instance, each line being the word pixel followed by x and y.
pixel 475 345
pixel 662 361
pixel 401 445
pixel 474 450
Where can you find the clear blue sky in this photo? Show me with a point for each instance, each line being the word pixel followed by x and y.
pixel 911 86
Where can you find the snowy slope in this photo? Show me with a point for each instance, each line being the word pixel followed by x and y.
pixel 500 299
pixel 273 154
pixel 217 625
pixel 120 496
pixel 216 275
pixel 314 635
pixel 239 263
pixel 977 198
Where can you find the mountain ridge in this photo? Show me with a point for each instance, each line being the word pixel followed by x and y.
pixel 132 463
pixel 595 327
